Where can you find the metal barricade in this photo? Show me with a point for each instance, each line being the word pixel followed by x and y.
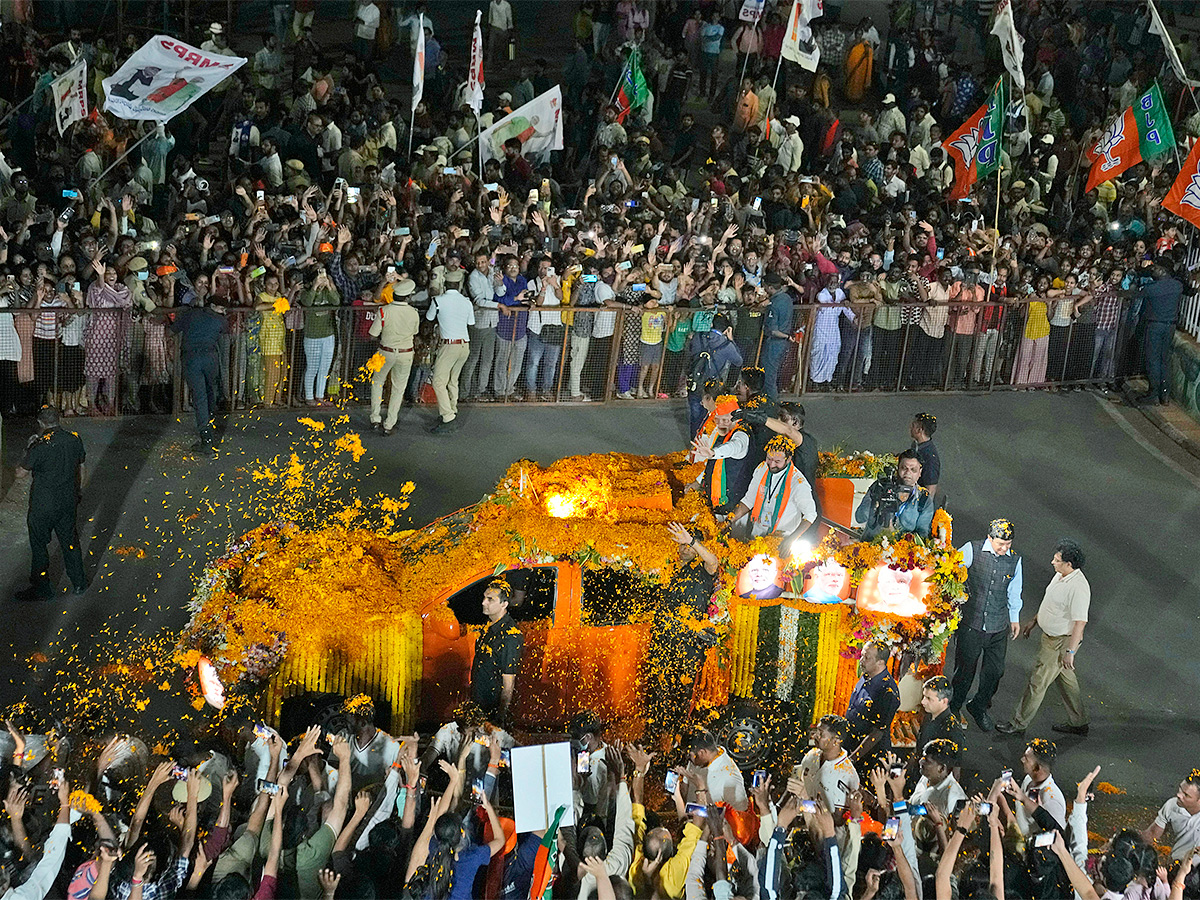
pixel 118 361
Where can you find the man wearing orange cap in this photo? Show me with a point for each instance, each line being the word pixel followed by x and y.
pixel 723 450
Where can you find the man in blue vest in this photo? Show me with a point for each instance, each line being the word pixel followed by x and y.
pixel 990 619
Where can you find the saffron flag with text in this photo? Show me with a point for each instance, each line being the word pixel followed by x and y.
pixel 1184 196
pixel 960 147
pixel 1142 132
pixel 974 149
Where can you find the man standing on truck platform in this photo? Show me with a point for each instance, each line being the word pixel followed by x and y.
pixel 677 644
pixel 497 654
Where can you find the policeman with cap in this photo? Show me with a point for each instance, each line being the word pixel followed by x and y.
pixel 990 619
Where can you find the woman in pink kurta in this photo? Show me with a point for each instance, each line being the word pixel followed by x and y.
pixel 105 335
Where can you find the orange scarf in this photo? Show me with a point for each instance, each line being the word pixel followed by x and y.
pixel 781 496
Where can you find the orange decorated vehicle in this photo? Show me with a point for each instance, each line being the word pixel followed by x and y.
pixel 290 614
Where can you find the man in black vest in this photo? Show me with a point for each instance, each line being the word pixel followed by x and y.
pixel 990 619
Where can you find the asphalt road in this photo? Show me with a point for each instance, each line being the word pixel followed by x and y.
pixel 1057 465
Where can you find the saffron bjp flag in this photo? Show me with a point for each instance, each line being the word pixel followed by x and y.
pixel 475 86
pixel 961 147
pixel 1142 132
pixel 633 91
pixel 974 149
pixel 543 868
pixel 1184 197
pixel 163 78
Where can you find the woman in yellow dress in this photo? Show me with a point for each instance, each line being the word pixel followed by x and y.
pixel 860 62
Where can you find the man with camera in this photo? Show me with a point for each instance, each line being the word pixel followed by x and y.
pixel 896 502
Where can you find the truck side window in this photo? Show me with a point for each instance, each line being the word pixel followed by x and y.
pixel 618 596
pixel 534 593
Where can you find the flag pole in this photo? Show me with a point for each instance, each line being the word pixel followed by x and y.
pixel 37 90
pixel 128 150
pixel 999 170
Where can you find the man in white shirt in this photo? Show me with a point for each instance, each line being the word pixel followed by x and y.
pixel 271 164
pixel 1181 816
pixel 723 450
pixel 893 184
pixel 1039 783
pixel 826 771
pixel 594 788
pixel 481 286
pixel 725 781
pixel 366 19
pixel 329 145
pixel 500 23
pixel 791 148
pixel 545 333
pixel 779 500
pixel 890 119
pixel 454 313
pixel 39 883
pixel 937 786
pixel 1062 617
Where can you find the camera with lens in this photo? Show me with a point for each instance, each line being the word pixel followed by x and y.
pixel 887 500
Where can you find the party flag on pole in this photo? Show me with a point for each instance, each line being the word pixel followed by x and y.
pixel 1184 197
pixel 1142 132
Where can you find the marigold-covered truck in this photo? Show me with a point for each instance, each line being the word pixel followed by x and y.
pixel 288 613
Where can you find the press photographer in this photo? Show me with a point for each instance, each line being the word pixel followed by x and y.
pixel 896 502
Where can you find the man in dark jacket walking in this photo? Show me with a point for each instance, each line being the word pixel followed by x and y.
pixel 199 327
pixel 714 355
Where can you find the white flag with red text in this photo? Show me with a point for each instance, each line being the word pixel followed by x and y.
pixel 799 43
pixel 1012 45
pixel 70 96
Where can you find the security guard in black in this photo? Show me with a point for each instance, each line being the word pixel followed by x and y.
pixel 55 457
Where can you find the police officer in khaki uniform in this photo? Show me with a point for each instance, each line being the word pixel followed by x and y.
pixel 55 456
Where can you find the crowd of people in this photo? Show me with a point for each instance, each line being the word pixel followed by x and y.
pixel 344 809
pixel 813 219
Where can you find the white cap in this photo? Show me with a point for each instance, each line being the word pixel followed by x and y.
pixel 216 28
pixel 889 98
pixel 793 120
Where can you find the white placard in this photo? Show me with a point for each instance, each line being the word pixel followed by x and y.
pixel 542 782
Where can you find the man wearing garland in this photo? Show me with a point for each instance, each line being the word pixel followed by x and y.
pixel 779 500
pixel 723 450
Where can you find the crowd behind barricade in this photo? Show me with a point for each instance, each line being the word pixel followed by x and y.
pixel 813 219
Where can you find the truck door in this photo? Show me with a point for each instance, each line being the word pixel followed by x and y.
pixel 449 637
